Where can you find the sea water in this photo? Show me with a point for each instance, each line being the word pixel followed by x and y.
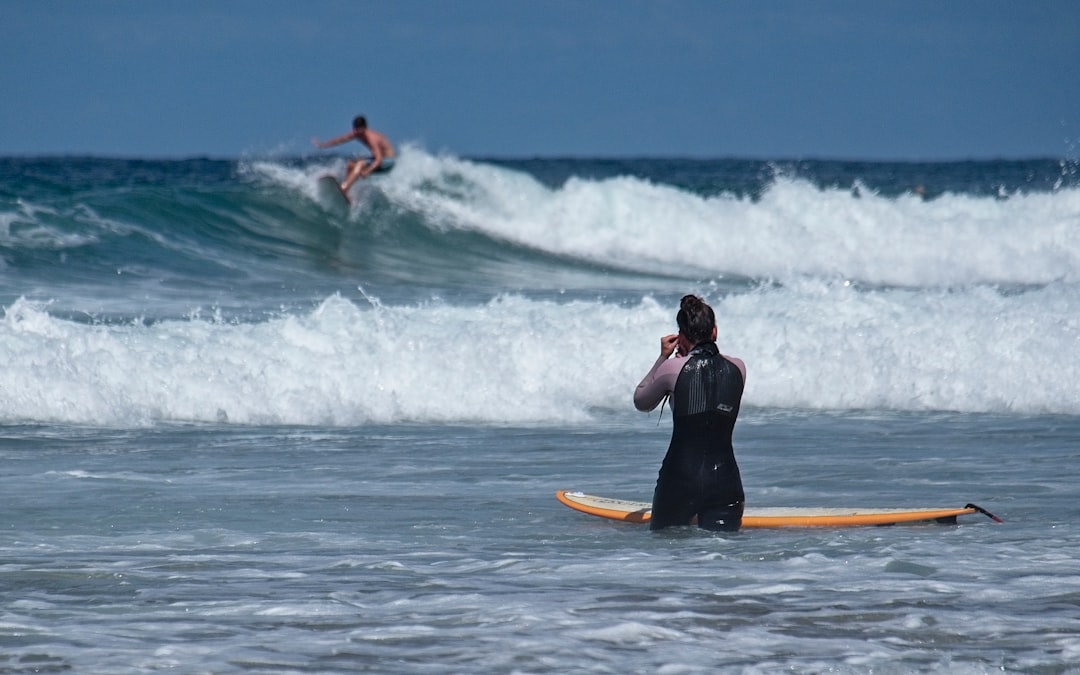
pixel 242 431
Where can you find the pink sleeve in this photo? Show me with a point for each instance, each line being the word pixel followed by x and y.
pixel 658 383
pixel 738 364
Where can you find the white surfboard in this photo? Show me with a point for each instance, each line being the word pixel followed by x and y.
pixel 331 195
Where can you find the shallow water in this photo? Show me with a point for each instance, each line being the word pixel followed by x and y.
pixel 431 548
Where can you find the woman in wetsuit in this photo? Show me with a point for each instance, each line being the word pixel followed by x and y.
pixel 699 477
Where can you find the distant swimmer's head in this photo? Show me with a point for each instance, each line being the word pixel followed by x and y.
pixel 359 123
pixel 696 320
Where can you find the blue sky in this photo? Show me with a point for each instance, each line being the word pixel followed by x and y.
pixel 513 78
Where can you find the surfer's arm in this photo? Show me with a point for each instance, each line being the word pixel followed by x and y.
pixel 334 141
pixel 658 382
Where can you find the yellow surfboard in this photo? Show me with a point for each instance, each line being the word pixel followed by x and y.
pixel 640 512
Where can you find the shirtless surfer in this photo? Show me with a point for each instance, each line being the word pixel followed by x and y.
pixel 382 152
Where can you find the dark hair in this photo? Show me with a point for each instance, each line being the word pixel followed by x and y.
pixel 696 319
pixel 359 122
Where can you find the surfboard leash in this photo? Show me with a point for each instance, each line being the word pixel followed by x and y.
pixel 984 512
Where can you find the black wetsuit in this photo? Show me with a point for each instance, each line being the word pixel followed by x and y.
pixel 699 475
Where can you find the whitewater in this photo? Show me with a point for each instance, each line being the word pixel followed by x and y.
pixel 259 307
pixel 245 431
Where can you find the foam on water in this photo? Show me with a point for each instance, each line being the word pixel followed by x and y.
pixel 794 229
pixel 813 345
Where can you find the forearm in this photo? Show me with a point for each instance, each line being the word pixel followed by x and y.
pixel 335 141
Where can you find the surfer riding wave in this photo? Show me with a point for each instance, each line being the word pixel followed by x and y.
pixel 382 152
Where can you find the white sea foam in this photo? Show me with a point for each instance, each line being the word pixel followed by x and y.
pixel 795 229
pixel 813 345
pixel 958 303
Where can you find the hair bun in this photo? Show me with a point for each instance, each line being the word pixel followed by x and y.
pixel 690 302
pixel 696 319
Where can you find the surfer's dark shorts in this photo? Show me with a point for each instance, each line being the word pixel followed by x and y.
pixel 387 164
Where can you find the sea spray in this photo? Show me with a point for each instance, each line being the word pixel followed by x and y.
pixel 813 345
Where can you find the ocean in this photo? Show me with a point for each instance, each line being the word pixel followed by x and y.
pixel 244 431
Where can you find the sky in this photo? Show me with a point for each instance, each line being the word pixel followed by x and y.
pixel 829 79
